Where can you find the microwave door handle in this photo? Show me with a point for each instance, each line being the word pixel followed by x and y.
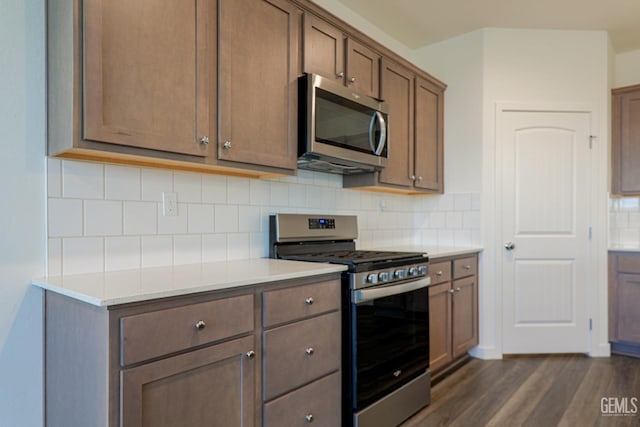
pixel 364 295
pixel 383 133
pixel 371 125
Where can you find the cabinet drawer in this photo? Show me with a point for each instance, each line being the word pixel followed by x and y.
pixel 318 402
pixel 440 272
pixel 289 304
pixel 628 263
pixel 301 352
pixel 148 335
pixel 465 267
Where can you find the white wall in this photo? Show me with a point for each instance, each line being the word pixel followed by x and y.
pixel 526 67
pixel 627 69
pixel 22 217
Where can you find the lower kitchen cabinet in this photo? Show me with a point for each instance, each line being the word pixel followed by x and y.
pixel 453 311
pixel 624 300
pixel 197 360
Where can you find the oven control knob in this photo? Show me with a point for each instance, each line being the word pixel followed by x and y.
pixel 384 276
pixel 413 272
pixel 422 270
pixel 400 274
pixel 372 278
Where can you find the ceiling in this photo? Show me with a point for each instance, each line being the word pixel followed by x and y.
pixel 418 23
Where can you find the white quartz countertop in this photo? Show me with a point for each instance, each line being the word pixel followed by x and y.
pixel 121 287
pixel 625 248
pixel 435 252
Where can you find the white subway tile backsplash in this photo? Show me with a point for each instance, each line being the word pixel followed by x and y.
pixel 54 177
pixel 122 253
pixel 157 251
pixel 173 224
pixel 226 219
pixel 82 255
pixel 82 180
pixel 187 249
pixel 140 218
pixel 200 218
pixel 188 186
pixel 214 189
pixel 237 191
pixel 155 182
pixel 64 217
pixel 110 217
pixel 214 247
pixel 102 218
pixel 122 183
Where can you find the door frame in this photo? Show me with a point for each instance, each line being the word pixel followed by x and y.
pixel 598 215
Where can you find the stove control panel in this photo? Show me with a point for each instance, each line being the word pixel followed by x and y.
pixel 322 223
pixel 388 276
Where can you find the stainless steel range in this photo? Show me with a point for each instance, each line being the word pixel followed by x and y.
pixel 385 316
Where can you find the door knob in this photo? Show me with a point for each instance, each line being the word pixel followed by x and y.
pixel 509 246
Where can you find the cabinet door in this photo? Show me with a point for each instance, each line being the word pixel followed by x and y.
pixel 429 141
pixel 149 73
pixel 465 315
pixel 214 386
pixel 439 326
pixel 363 69
pixel 397 90
pixel 259 42
pixel 323 52
pixel 626 142
pixel 626 314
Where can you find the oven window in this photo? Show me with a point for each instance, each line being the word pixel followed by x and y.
pixel 391 343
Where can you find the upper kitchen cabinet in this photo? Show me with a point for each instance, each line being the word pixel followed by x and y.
pixel 416 134
pixel 139 83
pixel 258 53
pixel 626 140
pixel 148 74
pixel 331 53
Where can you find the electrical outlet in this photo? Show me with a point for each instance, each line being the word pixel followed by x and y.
pixel 169 204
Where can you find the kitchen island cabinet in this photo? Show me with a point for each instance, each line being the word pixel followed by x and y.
pixel 624 300
pixel 625 141
pixel 453 311
pixel 194 357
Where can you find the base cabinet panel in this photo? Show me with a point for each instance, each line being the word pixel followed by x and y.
pixel 213 386
pixel 624 300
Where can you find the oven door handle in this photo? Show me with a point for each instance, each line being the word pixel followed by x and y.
pixel 364 295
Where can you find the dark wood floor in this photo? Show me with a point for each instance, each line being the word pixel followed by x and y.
pixel 533 392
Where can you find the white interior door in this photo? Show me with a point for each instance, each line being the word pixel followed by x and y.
pixel 545 230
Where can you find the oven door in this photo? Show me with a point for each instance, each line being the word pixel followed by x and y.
pixel 390 343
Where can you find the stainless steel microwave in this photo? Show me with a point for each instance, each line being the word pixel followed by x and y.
pixel 340 131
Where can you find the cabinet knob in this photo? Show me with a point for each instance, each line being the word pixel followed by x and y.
pixel 226 145
pixel 419 178
pixel 309 301
pixel 309 418
pixel 200 325
pixel 467 267
pixel 204 140
pixel 340 74
pixel 412 177
pixel 352 80
pixel 309 351
pixel 251 354
pixel 458 289
pixel 439 273
pixel 451 291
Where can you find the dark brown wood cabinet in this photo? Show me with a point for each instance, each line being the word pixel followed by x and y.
pixel 624 300
pixel 428 158
pixel 258 51
pixel 625 142
pixel 453 311
pixel 331 53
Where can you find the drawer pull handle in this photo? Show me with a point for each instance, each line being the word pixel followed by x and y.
pixel 467 267
pixel 309 418
pixel 200 325
pixel 439 273
pixel 309 351
pixel 251 354
pixel 309 301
